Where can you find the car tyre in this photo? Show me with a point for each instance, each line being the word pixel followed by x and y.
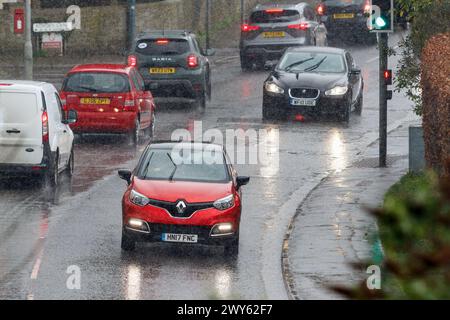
pixel 359 105
pixel 246 65
pixel 232 249
pixel 71 165
pixel 51 177
pixel 133 135
pixel 127 243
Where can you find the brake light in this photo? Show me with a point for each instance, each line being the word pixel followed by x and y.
pixel 192 61
pixel 320 9
pixel 162 41
pixel 132 60
pixel 247 28
pixel 274 10
pixel 129 104
pixel 301 26
pixel 44 127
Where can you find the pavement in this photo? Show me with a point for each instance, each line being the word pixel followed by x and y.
pixel 332 228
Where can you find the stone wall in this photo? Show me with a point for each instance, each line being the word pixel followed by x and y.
pixel 104 28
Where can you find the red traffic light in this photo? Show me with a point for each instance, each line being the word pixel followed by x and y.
pixel 388 77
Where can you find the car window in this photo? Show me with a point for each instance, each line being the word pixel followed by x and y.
pixel 155 47
pixel 343 3
pixel 135 80
pixel 17 107
pixel 60 106
pixel 350 61
pixel 140 80
pixel 277 16
pixel 103 82
pixel 312 62
pixel 162 165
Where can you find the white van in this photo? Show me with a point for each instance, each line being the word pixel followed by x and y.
pixel 35 137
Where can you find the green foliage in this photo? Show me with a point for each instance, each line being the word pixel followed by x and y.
pixel 414 226
pixel 428 17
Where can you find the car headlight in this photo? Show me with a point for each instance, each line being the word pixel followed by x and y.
pixel 224 203
pixel 273 88
pixel 139 199
pixel 337 91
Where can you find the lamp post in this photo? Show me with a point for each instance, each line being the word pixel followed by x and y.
pixel 28 47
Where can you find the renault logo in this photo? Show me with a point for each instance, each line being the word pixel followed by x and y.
pixel 181 207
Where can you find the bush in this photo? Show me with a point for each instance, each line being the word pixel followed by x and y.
pixel 414 226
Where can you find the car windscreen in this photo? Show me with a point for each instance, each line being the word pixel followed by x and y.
pixel 312 62
pixel 343 3
pixel 157 47
pixel 17 107
pixel 184 165
pixel 101 82
pixel 274 16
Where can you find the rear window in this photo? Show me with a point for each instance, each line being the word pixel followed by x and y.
pixel 17 107
pixel 343 3
pixel 276 16
pixel 101 82
pixel 157 47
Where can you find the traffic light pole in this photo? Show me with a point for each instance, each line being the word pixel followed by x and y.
pixel 207 24
pixel 131 22
pixel 383 48
pixel 28 48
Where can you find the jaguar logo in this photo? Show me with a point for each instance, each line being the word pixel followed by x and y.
pixel 304 91
pixel 181 207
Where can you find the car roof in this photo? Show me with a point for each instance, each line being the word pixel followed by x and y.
pixel 186 145
pixel 23 85
pixel 285 6
pixel 171 34
pixel 316 49
pixel 119 68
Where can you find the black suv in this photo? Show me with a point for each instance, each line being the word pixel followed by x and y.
pixel 174 66
pixel 272 28
pixel 347 19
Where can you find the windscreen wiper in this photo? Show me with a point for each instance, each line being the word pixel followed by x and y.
pixel 289 67
pixel 314 67
pixel 174 169
pixel 89 88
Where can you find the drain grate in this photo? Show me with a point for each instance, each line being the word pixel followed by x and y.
pixel 374 162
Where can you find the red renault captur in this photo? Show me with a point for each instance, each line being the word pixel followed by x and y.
pixel 109 98
pixel 183 192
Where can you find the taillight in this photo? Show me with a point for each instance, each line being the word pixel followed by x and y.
pixel 300 26
pixel 192 61
pixel 129 103
pixel 248 28
pixel 320 9
pixel 162 41
pixel 275 10
pixel 44 127
pixel 132 60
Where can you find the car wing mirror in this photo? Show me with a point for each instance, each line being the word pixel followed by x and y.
pixel 72 117
pixel 125 175
pixel 242 181
pixel 270 66
pixel 356 71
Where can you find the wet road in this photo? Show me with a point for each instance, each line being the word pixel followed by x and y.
pixel 44 232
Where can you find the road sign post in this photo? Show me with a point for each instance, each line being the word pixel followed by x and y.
pixel 131 22
pixel 383 46
pixel 28 48
pixel 207 24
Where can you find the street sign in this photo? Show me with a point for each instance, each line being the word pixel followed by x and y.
pixel 53 27
pixel 381 18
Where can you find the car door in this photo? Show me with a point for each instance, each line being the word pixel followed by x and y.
pixel 147 95
pixel 354 80
pixel 62 138
pixel 141 99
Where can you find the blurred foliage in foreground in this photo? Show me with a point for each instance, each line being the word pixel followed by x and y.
pixel 427 18
pixel 414 226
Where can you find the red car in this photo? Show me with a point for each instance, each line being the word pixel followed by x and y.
pixel 183 192
pixel 109 98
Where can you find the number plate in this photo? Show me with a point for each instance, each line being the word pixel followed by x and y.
pixel 95 101
pixel 278 34
pixel 162 70
pixel 344 15
pixel 303 102
pixel 185 238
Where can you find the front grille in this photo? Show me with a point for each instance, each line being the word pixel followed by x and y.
pixel 171 207
pixel 304 93
pixel 202 231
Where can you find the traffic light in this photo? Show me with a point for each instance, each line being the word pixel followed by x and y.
pixel 382 16
pixel 388 77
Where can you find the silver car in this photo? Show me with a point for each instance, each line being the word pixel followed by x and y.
pixel 271 29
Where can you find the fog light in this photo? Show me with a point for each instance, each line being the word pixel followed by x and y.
pixel 138 225
pixel 222 229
